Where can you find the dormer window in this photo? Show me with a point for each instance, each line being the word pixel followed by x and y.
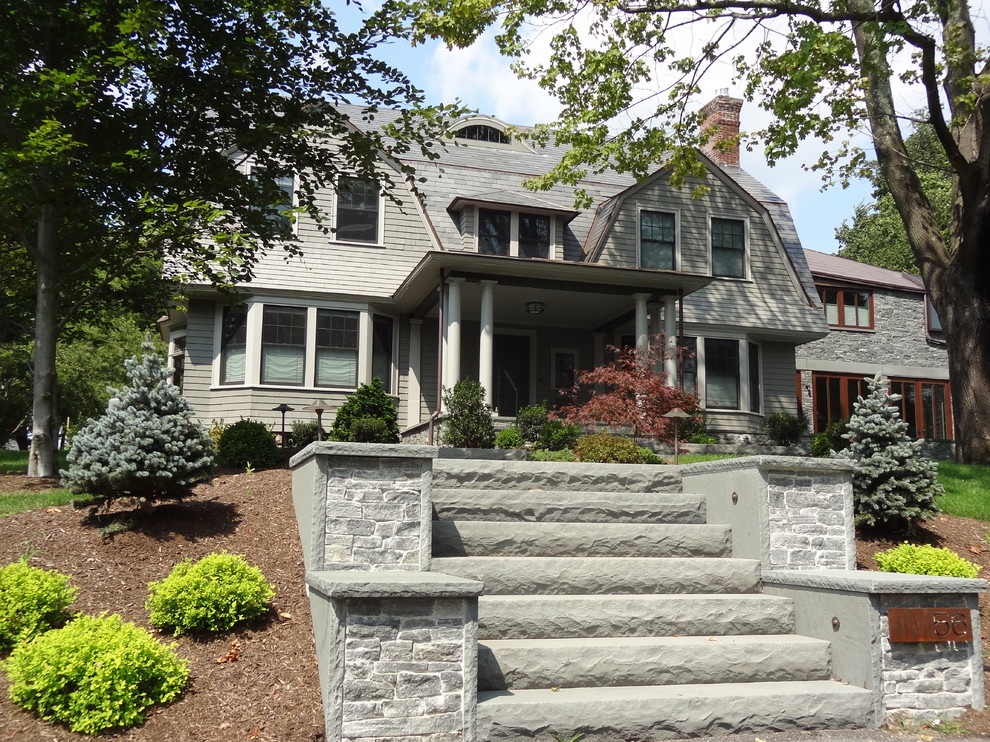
pixel 483 133
pixel 513 233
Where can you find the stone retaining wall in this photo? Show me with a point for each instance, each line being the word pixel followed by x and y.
pixel 807 520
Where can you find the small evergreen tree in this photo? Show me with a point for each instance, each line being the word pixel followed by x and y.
pixel 146 445
pixel 894 483
pixel 468 422
pixel 368 401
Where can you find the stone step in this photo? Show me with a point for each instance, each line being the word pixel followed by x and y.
pixel 567 506
pixel 604 575
pixel 671 711
pixel 576 616
pixel 543 475
pixel 666 660
pixel 485 538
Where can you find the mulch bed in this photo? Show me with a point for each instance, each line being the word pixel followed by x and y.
pixel 259 682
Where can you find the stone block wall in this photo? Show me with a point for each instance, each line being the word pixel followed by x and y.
pixel 930 681
pixel 808 518
pixel 405 669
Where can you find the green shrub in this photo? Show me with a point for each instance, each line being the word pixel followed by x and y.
pixel 509 438
pixel 468 422
pixel 217 427
pixel 557 436
pixel 530 420
pixel 370 430
pixel 784 429
pixel 303 433
pixel 213 594
pixel 538 455
pixel 368 400
pixel 833 438
pixel 649 456
pixel 925 560
pixel 32 601
pixel 701 438
pixel 248 442
pixel 94 674
pixel 605 448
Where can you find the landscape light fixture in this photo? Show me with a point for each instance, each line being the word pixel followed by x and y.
pixel 318 407
pixel 676 414
pixel 283 408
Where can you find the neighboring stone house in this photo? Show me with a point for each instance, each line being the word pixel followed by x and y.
pixel 880 321
pixel 489 280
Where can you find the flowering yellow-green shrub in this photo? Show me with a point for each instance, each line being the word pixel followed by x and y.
pixel 213 594
pixel 925 560
pixel 605 448
pixel 32 601
pixel 96 673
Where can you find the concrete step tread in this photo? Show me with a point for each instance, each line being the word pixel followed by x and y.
pixel 677 614
pixel 549 505
pixel 488 538
pixel 605 575
pixel 671 711
pixel 550 475
pixel 783 640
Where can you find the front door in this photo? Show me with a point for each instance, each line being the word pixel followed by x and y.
pixel 511 376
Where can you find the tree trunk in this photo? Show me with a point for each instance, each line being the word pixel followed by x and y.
pixel 44 426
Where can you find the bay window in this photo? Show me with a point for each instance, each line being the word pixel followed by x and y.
pixel 336 348
pixel 721 374
pixel 283 345
pixel 382 331
pixel 233 345
pixel 724 372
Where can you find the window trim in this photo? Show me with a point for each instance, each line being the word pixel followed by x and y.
pixel 746 272
pixel 841 306
pixel 335 211
pixel 677 236
pixel 293 220
pixel 514 215
pixel 174 353
pixel 743 378
pixel 934 333
pixel 553 365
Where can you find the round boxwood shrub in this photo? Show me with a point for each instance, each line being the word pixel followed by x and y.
pixel 368 401
pixel 925 560
pixel 213 594
pixel 539 455
pixel 248 442
pixel 530 421
pixel 558 436
pixel 32 601
pixel 784 429
pixel 94 674
pixel 509 438
pixel 605 448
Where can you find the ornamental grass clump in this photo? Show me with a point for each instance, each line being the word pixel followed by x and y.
pixel 214 594
pixel 94 674
pixel 32 601
pixel 925 560
pixel 894 484
pixel 146 445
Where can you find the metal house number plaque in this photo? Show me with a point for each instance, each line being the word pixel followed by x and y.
pixel 929 625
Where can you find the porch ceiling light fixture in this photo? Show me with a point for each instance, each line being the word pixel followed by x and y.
pixel 535 307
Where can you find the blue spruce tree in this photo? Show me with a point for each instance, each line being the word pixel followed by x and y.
pixel 894 483
pixel 144 446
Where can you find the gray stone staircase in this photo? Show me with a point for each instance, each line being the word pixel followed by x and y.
pixel 614 610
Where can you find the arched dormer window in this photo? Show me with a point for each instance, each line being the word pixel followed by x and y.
pixel 483 133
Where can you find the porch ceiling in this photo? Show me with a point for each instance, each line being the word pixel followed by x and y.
pixel 581 295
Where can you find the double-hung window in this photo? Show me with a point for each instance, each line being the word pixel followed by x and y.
pixel 728 248
pixel 657 247
pixel 283 345
pixel 721 374
pixel 724 372
pixel 233 345
pixel 849 308
pixel 286 185
pixel 358 206
pixel 534 236
pixel 336 348
pixel 494 231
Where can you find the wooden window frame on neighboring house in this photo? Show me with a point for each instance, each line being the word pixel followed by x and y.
pixel 847 299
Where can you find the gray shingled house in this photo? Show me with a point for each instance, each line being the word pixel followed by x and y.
pixel 519 290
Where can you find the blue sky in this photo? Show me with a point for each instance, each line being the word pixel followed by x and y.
pixel 481 79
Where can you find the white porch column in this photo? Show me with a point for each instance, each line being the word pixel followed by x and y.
pixel 670 338
pixel 656 328
pixel 414 396
pixel 642 330
pixel 486 353
pixel 452 360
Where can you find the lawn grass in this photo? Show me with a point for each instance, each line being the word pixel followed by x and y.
pixel 16 462
pixel 967 490
pixel 695 458
pixel 12 503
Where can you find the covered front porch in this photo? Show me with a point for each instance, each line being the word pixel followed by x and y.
pixel 523 328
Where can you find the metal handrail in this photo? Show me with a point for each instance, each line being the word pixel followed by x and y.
pixel 499 373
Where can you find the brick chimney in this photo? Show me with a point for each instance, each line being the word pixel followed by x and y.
pixel 722 115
